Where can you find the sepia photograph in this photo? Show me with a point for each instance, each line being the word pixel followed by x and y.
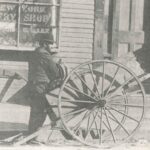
pixel 75 74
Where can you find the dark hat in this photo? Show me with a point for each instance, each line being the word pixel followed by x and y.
pixel 48 38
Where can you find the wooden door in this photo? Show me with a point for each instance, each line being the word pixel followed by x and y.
pixel 127 27
pixel 118 27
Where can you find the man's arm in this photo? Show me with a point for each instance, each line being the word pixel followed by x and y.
pixel 49 64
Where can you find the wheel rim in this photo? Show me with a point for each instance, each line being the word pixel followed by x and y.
pixel 96 110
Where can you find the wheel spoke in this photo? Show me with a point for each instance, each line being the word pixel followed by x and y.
pixel 101 122
pixel 85 89
pixel 124 114
pixel 69 92
pixel 103 78
pixel 88 123
pixel 78 101
pixel 94 87
pixel 119 88
pixel 86 85
pixel 73 84
pixel 111 84
pixel 80 92
pixel 95 83
pixel 98 130
pixel 129 105
pixel 116 120
pixel 104 123
pixel 77 126
pixel 85 116
pixel 69 119
pixel 111 119
pixel 74 112
pixel 109 125
pixel 92 123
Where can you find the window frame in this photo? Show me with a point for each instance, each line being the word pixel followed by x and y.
pixel 55 24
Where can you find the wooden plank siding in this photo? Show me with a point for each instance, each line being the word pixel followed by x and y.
pixel 76 31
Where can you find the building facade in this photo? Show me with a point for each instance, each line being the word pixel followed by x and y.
pixel 83 30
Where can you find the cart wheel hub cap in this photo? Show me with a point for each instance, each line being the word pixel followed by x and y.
pixel 101 103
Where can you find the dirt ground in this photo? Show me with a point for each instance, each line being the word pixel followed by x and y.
pixel 136 143
pixel 140 145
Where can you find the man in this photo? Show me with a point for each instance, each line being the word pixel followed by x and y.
pixel 42 71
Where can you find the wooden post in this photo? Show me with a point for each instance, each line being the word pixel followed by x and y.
pixel 98 32
pixel 115 27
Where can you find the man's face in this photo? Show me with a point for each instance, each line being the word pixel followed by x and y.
pixel 47 45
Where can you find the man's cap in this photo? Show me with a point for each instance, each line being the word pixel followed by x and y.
pixel 45 38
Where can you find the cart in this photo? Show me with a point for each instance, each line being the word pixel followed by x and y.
pixel 100 102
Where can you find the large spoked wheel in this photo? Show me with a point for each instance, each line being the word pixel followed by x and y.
pixel 101 102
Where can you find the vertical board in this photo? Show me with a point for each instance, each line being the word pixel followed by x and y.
pixel 124 15
pixel 124 25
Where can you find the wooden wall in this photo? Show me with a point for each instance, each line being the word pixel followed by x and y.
pixel 76 31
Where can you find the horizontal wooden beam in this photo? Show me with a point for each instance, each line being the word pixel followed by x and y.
pixel 79 1
pixel 78 6
pixel 78 25
pixel 77 35
pixel 76 40
pixel 77 11
pixel 77 20
pixel 76 49
pixel 76 15
pixel 78 45
pixel 76 30
pixel 130 37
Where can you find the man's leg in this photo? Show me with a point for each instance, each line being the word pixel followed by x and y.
pixel 50 112
pixel 38 113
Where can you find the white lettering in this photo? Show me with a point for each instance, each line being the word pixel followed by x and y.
pixel 7 17
pixel 2 7
pixel 7 7
pixel 36 18
pixel 34 9
pixel 10 7
pixel 25 30
pixel 27 18
pixel 12 17
pixel 24 7
pixel 46 18
pixel 40 30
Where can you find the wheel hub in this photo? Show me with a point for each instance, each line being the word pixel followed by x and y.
pixel 101 103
